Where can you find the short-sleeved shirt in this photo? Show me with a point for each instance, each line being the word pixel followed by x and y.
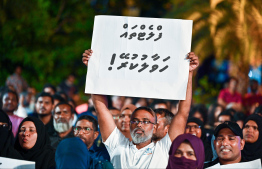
pixel 228 97
pixel 124 154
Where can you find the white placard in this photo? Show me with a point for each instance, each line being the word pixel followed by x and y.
pixel 139 57
pixel 255 164
pixel 16 164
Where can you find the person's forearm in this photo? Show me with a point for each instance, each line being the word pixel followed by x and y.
pixel 105 119
pixel 178 123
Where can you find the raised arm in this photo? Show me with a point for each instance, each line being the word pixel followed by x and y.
pixel 105 119
pixel 178 123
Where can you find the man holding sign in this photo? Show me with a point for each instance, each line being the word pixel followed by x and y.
pixel 141 152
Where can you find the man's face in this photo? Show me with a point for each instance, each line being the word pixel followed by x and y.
pixel 251 132
pixel 44 105
pixel 63 118
pixel 85 131
pixel 142 132
pixel 161 129
pixel 124 120
pixel 228 146
pixel 9 102
pixel 194 129
pixel 199 116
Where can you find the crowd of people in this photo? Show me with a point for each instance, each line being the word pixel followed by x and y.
pixel 127 132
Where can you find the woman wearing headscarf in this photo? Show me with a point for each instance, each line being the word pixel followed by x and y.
pixel 6 138
pixel 252 133
pixel 33 143
pixel 186 152
pixel 195 127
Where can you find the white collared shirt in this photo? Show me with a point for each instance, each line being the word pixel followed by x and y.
pixel 124 154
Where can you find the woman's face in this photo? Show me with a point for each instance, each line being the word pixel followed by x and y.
pixel 250 132
pixel 186 150
pixel 27 135
pixel 194 129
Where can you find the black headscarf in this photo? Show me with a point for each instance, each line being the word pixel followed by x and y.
pixel 253 151
pixel 6 139
pixel 42 152
pixel 207 145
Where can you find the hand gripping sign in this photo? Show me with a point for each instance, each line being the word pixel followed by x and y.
pixel 139 57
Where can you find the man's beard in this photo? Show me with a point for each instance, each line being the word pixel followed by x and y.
pixel 138 138
pixel 62 126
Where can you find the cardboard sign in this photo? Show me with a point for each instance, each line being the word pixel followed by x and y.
pixel 139 57
pixel 16 164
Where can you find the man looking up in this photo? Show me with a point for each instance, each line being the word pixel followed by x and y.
pixel 141 152
pixel 164 119
pixel 87 130
pixel 63 117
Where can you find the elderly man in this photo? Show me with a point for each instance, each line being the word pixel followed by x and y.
pixel 141 152
pixel 164 119
pixel 228 144
pixel 87 130
pixel 63 117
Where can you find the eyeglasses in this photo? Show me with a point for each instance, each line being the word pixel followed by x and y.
pixel 145 122
pixel 248 126
pixel 4 125
pixel 193 127
pixel 86 130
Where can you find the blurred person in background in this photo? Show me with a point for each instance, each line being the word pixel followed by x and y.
pixel 225 115
pixel 195 127
pixel 63 117
pixel 199 111
pixel 10 101
pixel 57 99
pixel 69 87
pixel 229 97
pixel 253 99
pixel 158 103
pixel 124 120
pixel 164 119
pixel 118 102
pixel 213 111
pixel 140 102
pixel 17 81
pixel 48 88
pixel 115 113
pixel 174 106
pixel 258 110
pixel 239 118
